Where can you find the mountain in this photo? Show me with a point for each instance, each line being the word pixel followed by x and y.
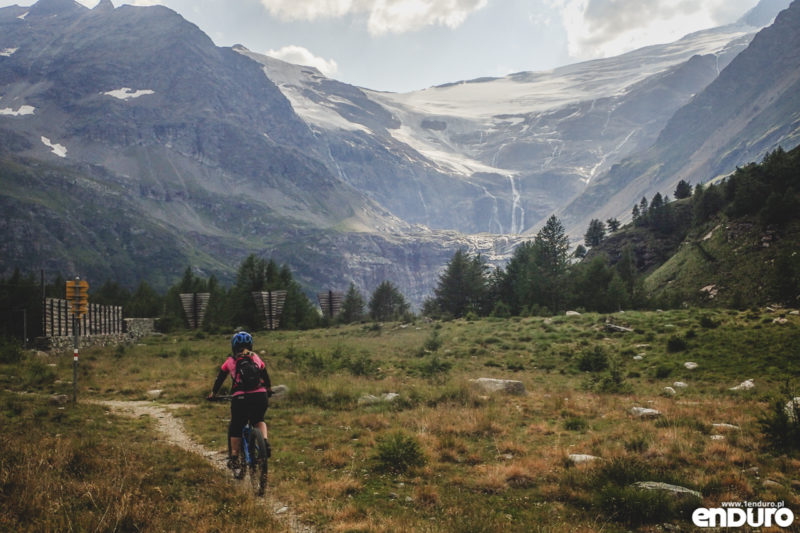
pixel 131 146
pixel 751 108
pixel 497 155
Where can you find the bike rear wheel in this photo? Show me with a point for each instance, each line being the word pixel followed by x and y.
pixel 258 462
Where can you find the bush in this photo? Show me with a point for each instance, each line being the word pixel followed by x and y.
pixel 398 453
pixel 676 344
pixel 593 361
pixel 781 424
pixel 10 351
pixel 708 323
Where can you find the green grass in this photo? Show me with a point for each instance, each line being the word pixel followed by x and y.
pixel 446 456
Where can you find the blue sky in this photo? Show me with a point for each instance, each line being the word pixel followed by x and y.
pixel 403 45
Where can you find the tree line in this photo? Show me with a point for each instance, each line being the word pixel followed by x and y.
pixel 228 307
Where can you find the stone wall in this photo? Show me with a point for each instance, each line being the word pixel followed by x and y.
pixel 134 329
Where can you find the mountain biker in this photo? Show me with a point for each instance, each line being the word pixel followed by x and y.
pixel 246 405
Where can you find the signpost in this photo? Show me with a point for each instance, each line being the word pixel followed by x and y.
pixel 331 303
pixel 195 305
pixel 78 298
pixel 270 305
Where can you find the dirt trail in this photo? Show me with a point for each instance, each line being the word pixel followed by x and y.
pixel 171 428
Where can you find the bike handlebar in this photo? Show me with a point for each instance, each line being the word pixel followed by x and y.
pixel 222 398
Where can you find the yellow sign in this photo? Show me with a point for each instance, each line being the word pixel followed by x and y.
pixel 78 297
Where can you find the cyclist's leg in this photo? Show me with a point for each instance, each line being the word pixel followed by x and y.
pixel 238 421
pixel 257 409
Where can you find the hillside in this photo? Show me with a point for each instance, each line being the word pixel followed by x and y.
pixel 732 243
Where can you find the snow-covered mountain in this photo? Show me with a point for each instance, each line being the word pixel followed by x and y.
pixel 131 146
pixel 504 153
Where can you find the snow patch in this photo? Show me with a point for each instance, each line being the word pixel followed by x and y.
pixel 127 93
pixel 8 52
pixel 22 17
pixel 23 110
pixel 59 150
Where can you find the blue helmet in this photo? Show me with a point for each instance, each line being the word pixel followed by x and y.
pixel 240 341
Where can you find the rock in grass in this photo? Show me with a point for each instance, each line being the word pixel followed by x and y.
pixel 573 313
pixel 279 392
pixel 675 490
pixel 581 458
pixel 722 427
pixel 645 412
pixel 680 385
pixel 508 386
pixel 690 365
pixel 744 385
pixel 369 399
pixel 154 394
pixel 669 391
pixel 792 407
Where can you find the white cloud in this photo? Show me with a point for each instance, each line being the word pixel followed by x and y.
pixel 383 16
pixel 603 28
pixel 302 56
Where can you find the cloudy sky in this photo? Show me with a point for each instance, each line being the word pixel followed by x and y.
pixel 402 45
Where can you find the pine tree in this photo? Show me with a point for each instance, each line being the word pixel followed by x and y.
pixel 462 286
pixel 387 303
pixel 352 306
pixel 595 233
pixel 683 190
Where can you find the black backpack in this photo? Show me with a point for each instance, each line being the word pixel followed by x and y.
pixel 248 375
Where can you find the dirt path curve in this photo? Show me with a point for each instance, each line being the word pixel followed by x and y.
pixel 171 428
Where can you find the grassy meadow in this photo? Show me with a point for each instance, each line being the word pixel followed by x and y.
pixel 442 456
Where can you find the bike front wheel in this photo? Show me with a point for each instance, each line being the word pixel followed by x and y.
pixel 258 464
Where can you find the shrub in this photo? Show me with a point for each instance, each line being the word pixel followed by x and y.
pixel 593 361
pixel 434 366
pixel 708 323
pixel 676 344
pixel 398 453
pixel 781 424
pixel 663 371
pixel 433 342
pixel 10 351
pixel 575 423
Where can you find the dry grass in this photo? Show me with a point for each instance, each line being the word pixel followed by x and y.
pixel 493 462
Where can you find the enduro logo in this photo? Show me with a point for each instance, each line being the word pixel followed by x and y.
pixel 737 514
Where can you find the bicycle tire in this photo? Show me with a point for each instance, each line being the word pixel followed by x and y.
pixel 258 462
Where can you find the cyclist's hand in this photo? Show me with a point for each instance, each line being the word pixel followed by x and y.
pixel 269 393
pixel 210 397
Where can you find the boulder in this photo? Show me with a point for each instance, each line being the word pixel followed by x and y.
pixel 724 427
pixel 645 412
pixel 792 406
pixel 573 313
pixel 680 385
pixel 59 399
pixel 279 392
pixel 369 399
pixel 508 386
pixel 154 394
pixel 744 385
pixel 690 365
pixel 617 329
pixel 675 490
pixel 582 458
pixel 669 391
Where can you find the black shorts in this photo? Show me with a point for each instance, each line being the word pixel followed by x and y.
pixel 246 408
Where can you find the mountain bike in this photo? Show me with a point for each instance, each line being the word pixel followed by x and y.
pixel 253 457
